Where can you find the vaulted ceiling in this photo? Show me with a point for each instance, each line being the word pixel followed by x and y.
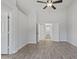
pixel 28 5
pixel 33 3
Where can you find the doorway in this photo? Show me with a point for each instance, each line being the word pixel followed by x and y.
pixel 48 31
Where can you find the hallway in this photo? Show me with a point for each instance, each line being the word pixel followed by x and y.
pixel 45 50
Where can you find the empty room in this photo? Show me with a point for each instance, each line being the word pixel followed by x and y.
pixel 38 29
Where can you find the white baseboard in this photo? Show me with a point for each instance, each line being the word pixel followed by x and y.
pixel 72 44
pixel 17 49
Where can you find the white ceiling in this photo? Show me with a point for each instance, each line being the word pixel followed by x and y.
pixel 33 5
pixel 9 3
pixel 28 5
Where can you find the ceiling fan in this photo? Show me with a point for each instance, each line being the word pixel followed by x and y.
pixel 50 3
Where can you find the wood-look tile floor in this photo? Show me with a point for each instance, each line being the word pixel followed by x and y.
pixel 45 50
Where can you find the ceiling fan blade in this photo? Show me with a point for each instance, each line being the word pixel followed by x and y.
pixel 60 1
pixel 41 2
pixel 45 7
pixel 53 7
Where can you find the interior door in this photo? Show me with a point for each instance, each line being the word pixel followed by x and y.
pixel 4 33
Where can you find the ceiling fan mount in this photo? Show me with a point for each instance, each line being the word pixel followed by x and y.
pixel 50 3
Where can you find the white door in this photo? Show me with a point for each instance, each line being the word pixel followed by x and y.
pixel 4 33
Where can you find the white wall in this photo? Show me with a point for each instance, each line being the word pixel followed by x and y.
pixel 4 31
pixel 21 30
pixel 25 29
pixel 22 27
pixel 32 27
pixel 72 23
pixel 54 16
pixel 11 12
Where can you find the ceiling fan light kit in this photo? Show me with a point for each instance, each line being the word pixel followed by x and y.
pixel 50 3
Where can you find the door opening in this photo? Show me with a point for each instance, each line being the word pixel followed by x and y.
pixel 47 31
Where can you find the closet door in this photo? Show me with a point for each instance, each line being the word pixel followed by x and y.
pixel 4 33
